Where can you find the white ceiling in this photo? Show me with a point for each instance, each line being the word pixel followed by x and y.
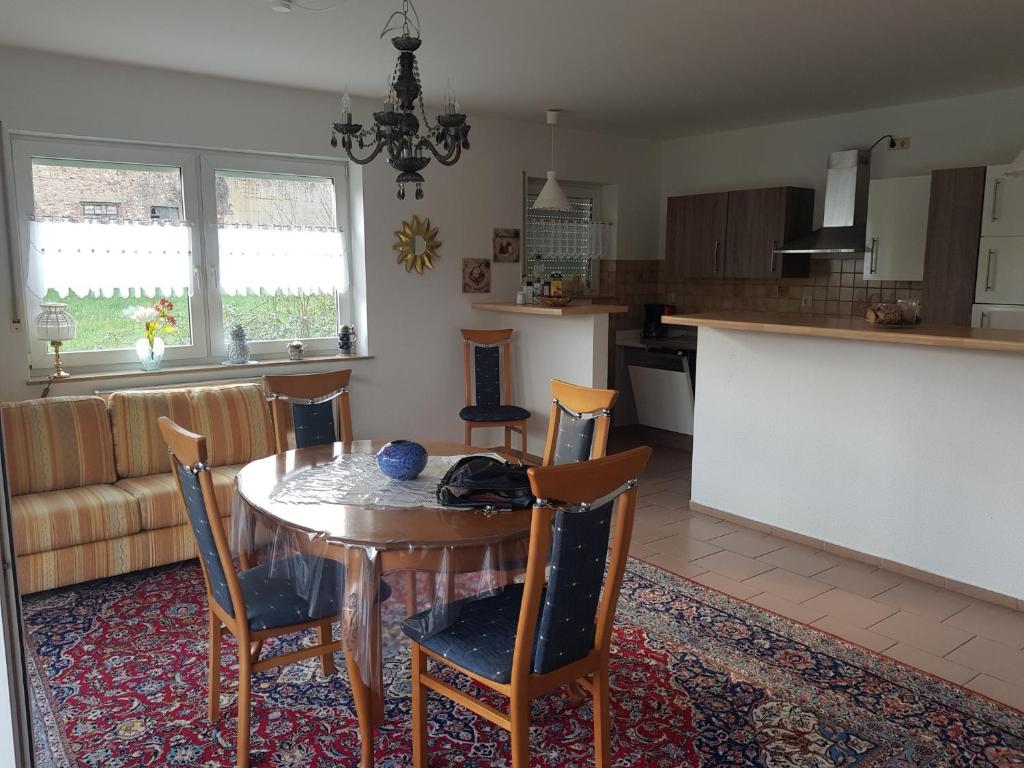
pixel 656 68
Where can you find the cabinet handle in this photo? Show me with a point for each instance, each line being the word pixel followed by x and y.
pixel 984 318
pixel 988 270
pixel 714 264
pixel 771 261
pixel 873 266
pixel 995 199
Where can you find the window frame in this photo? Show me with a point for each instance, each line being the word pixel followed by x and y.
pixel 246 162
pixel 198 185
pixel 23 150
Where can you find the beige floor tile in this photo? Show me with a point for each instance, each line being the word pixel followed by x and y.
pixel 859 578
pixel 862 637
pixel 750 543
pixel 659 515
pixel 684 548
pixel 648 533
pixel 922 633
pixel 1004 693
pixel 641 551
pixel 724 584
pixel 788 586
pixel 850 608
pixel 702 527
pixel 927 662
pixel 670 499
pixel 799 559
pixel 784 607
pixel 733 565
pixel 924 599
pixel 677 565
pixel 992 658
pixel 991 621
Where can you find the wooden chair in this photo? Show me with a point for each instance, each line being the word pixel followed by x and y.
pixel 579 423
pixel 493 386
pixel 534 637
pixel 313 397
pixel 250 605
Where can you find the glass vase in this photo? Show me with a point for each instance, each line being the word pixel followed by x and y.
pixel 150 357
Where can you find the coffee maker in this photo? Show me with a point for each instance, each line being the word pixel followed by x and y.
pixel 653 327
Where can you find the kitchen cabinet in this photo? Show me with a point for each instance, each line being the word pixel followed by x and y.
pixel 1008 318
pixel 1000 271
pixel 1004 204
pixel 761 220
pixel 897 228
pixel 695 235
pixel 951 245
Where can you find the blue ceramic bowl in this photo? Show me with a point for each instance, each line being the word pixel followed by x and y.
pixel 402 459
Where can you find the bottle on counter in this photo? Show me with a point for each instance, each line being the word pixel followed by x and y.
pixel 546 291
pixel 528 292
pixel 556 283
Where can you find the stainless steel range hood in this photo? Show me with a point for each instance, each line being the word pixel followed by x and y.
pixel 846 205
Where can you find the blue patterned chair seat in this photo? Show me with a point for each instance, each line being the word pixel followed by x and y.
pixel 493 413
pixel 272 600
pixel 482 637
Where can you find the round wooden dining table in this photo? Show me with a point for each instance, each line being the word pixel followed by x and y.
pixel 373 541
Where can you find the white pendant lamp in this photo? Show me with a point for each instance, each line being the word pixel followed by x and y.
pixel 551 197
pixel 1017 166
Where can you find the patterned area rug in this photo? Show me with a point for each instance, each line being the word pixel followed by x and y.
pixel 699 679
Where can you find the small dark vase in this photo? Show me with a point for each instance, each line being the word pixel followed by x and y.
pixel 402 459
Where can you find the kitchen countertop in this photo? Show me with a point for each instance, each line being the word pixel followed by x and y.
pixel 538 309
pixel 957 337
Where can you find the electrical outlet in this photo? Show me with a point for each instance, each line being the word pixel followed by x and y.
pixel 15 327
pixel 806 302
pixel 902 142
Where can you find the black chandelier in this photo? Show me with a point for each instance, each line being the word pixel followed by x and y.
pixel 396 128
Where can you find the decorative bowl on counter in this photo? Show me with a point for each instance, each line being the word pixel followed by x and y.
pixel 402 459
pixel 555 301
pixel 899 313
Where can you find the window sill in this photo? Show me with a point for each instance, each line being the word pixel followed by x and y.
pixel 229 371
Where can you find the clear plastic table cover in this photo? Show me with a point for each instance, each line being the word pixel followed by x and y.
pixel 404 556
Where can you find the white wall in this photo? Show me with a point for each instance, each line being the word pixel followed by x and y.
pixel 855 443
pixel 982 129
pixel 413 387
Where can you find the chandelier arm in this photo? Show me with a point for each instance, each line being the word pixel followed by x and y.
pixel 451 157
pixel 369 158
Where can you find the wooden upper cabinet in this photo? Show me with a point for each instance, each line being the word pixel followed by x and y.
pixel 696 234
pixel 951 245
pixel 761 220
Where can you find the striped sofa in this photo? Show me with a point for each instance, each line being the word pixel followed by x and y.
pixel 91 490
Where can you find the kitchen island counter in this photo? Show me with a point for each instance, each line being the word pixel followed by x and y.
pixel 793 324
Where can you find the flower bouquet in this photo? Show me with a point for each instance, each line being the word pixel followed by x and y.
pixel 156 320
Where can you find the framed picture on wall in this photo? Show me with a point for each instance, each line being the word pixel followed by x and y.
pixel 506 245
pixel 476 275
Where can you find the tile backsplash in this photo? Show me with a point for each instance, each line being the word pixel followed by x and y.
pixel 835 287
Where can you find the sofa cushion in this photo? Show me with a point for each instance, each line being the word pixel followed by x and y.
pixel 57 443
pixel 139 450
pixel 160 504
pixel 57 519
pixel 235 421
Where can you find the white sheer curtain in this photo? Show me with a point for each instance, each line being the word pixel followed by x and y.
pixel 292 260
pixel 103 256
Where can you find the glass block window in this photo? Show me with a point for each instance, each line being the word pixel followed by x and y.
pixel 561 241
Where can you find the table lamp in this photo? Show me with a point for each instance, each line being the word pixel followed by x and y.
pixel 55 325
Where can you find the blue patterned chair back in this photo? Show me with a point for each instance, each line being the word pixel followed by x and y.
pixel 199 518
pixel 487 370
pixel 575 438
pixel 314 423
pixel 580 419
pixel 568 617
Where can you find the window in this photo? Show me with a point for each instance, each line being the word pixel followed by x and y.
pixel 164 213
pixel 564 241
pixel 230 239
pixel 98 210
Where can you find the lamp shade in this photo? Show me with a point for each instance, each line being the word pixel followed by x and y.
pixel 1017 166
pixel 551 196
pixel 54 323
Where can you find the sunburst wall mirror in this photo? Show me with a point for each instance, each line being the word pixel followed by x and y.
pixel 417 245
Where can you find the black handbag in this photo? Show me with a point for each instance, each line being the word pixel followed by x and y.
pixel 484 481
